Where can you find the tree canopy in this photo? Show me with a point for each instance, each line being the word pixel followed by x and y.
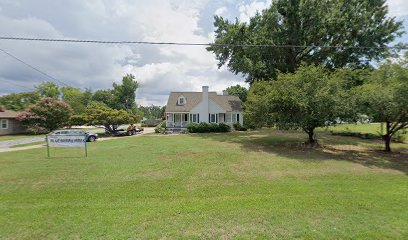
pixel 48 113
pixel 48 89
pixel 98 114
pixel 238 91
pixel 384 98
pixel 19 101
pixel 306 31
pixel 306 99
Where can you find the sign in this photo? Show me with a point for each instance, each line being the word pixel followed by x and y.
pixel 66 141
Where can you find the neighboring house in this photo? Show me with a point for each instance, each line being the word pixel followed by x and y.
pixel 9 123
pixel 196 107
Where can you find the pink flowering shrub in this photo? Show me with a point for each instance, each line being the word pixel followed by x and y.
pixel 48 113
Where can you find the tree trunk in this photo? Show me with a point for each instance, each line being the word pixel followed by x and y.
pixel 310 132
pixel 387 137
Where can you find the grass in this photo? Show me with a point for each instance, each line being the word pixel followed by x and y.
pixel 16 137
pixel 374 128
pixel 262 184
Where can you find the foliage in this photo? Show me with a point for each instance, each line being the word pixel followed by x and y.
pixel 239 127
pixel 305 100
pixel 103 96
pixel 19 101
pixel 98 114
pixel 152 112
pixel 77 99
pixel 48 113
pixel 207 127
pixel 48 89
pixel 160 127
pixel 383 98
pixel 307 28
pixel 238 91
pixel 78 120
pixel 124 95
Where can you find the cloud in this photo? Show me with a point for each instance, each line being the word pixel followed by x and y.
pixel 159 69
pixel 246 11
pixel 398 8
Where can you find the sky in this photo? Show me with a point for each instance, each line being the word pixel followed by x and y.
pixel 158 69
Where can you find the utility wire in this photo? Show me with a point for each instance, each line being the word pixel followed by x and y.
pixel 196 44
pixel 21 86
pixel 32 67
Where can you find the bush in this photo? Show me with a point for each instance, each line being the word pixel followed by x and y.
pixel 205 127
pixel 239 127
pixel 160 128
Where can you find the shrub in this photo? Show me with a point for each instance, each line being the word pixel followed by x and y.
pixel 398 137
pixel 206 127
pixel 160 127
pixel 239 127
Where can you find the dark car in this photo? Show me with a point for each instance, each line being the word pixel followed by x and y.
pixel 90 137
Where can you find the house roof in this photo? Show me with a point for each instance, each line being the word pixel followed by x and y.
pixel 228 103
pixel 9 114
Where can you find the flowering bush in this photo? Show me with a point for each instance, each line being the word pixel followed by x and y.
pixel 48 113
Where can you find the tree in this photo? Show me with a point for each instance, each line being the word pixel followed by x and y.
pixel 47 113
pixel 305 31
pixel 238 91
pixel 124 95
pixel 75 98
pixel 152 112
pixel 98 114
pixel 306 99
pixel 48 89
pixel 19 101
pixel 384 98
pixel 103 96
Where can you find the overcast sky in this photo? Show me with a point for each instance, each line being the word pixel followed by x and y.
pixel 158 69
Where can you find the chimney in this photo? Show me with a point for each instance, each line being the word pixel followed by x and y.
pixel 205 105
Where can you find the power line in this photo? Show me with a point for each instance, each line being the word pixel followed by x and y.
pixel 17 85
pixel 32 67
pixel 197 44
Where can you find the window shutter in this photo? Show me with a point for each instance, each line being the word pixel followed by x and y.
pixel 198 117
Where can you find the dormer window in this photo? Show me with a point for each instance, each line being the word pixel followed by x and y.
pixel 181 100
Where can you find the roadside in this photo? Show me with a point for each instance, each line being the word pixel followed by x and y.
pixel 10 145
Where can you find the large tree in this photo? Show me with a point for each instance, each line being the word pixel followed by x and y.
pixel 75 98
pixel 151 112
pixel 238 91
pixel 306 99
pixel 48 113
pixel 384 98
pixel 98 114
pixel 124 95
pixel 48 89
pixel 19 101
pixel 305 31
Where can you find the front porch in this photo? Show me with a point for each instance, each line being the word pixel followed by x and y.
pixel 181 120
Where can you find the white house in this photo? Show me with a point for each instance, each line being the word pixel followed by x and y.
pixel 194 107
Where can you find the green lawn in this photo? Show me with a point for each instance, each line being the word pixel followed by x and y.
pixel 16 137
pixel 262 184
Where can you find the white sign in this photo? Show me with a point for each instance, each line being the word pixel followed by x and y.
pixel 66 140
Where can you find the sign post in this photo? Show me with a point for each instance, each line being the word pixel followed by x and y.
pixel 66 141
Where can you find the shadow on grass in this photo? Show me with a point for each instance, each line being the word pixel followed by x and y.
pixel 291 144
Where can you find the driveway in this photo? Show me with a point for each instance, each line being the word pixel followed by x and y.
pixel 11 143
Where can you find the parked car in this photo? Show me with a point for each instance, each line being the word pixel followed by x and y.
pixel 90 137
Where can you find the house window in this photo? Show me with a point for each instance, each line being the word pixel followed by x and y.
pixel 213 118
pixel 4 124
pixel 237 117
pixel 194 118
pixel 234 118
pixel 228 117
pixel 181 100
pixel 185 117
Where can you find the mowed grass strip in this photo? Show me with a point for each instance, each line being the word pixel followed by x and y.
pixel 261 184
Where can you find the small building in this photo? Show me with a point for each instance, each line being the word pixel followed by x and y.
pixel 195 107
pixel 9 123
